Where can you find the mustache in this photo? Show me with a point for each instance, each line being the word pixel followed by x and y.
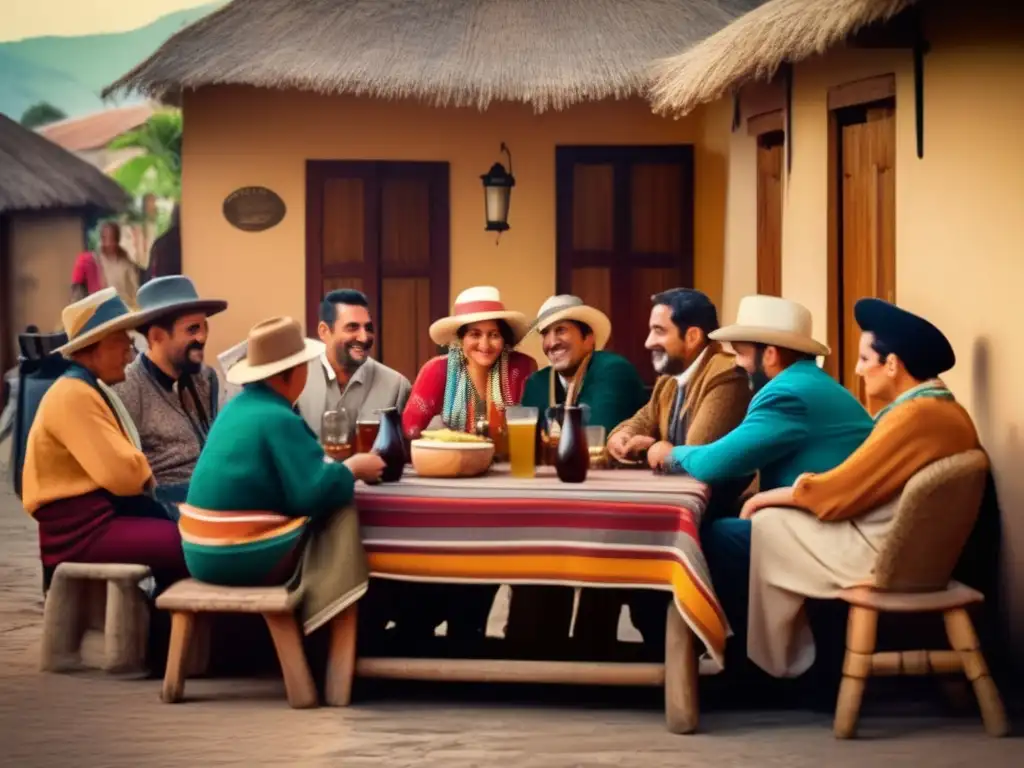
pixel 366 346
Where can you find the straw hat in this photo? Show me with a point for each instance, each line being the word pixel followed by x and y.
pixel 99 314
pixel 566 307
pixel 774 321
pixel 474 305
pixel 274 345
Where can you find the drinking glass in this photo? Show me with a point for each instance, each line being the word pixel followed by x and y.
pixel 366 433
pixel 596 446
pixel 522 435
pixel 336 434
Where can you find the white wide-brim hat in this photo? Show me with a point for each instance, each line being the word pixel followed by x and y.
pixel 774 321
pixel 98 315
pixel 567 307
pixel 274 346
pixel 474 305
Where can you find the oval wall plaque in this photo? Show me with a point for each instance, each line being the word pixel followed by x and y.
pixel 254 209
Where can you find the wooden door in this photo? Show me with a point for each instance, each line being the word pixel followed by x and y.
pixel 769 213
pixel 867 244
pixel 381 228
pixel 625 232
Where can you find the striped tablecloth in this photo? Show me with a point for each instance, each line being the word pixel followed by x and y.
pixel 619 529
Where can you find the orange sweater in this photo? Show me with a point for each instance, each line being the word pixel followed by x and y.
pixel 76 446
pixel 910 436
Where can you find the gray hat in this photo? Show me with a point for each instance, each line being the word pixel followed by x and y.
pixel 174 294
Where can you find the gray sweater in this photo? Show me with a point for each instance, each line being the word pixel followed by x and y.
pixel 172 434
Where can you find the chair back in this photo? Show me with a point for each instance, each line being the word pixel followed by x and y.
pixel 934 518
pixel 35 376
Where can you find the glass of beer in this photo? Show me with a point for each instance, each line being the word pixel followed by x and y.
pixel 522 435
pixel 336 434
pixel 366 433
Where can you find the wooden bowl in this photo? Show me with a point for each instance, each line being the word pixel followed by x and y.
pixel 434 458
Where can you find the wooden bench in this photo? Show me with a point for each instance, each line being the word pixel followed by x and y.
pixel 96 616
pixel 189 598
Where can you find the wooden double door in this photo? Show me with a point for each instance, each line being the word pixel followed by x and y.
pixel 624 233
pixel 381 228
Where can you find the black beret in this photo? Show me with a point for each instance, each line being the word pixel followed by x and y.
pixel 922 347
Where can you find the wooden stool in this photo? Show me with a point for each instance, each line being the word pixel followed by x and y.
pixel 188 598
pixel 862 662
pixel 96 617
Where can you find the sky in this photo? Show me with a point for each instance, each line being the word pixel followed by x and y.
pixel 32 18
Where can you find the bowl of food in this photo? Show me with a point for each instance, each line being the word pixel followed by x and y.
pixel 446 453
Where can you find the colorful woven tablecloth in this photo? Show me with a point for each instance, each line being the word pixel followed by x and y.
pixel 619 529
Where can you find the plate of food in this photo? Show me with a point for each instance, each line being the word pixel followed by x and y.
pixel 448 453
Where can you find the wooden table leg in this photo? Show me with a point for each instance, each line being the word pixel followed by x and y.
pixel 182 623
pixel 682 708
pixel 298 682
pixel 341 659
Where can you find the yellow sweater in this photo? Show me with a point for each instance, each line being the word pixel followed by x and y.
pixel 910 436
pixel 76 446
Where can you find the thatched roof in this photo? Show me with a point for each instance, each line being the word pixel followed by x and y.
pixel 39 174
pixel 756 44
pixel 547 53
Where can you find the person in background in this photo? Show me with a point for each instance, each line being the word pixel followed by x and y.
pixel 345 376
pixel 170 394
pixel 108 266
pixel 581 373
pixel 165 254
pixel 85 480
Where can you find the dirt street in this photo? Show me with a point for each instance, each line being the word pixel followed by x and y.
pixel 88 720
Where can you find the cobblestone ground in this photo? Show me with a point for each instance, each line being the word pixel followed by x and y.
pixel 87 720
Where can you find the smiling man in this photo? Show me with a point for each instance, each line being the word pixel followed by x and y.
pixel 171 396
pixel 345 376
pixel 581 373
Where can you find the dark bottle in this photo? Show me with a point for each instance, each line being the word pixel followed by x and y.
pixel 390 445
pixel 573 453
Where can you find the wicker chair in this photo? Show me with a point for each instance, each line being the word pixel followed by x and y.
pixel 936 512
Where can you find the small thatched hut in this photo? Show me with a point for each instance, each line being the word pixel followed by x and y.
pixel 47 198
pixel 877 151
pixel 373 120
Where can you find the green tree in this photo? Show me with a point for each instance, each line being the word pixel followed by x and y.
pixel 40 114
pixel 158 169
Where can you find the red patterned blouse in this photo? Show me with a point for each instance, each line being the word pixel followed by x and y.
pixel 427 397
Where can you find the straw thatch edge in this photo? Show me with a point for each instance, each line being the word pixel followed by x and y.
pixel 755 45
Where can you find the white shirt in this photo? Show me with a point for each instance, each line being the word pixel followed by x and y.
pixel 684 377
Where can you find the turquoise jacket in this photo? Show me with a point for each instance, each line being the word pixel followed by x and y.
pixel 803 420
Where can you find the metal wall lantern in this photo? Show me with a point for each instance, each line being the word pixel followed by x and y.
pixel 498 194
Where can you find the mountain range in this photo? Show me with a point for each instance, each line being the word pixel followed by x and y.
pixel 70 72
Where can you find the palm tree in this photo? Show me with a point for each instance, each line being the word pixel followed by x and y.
pixel 157 169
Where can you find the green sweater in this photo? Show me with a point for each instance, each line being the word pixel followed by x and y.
pixel 612 389
pixel 259 457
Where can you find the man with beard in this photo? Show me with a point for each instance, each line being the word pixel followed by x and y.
pixel 700 395
pixel 800 420
pixel 581 373
pixel 169 393
pixel 345 376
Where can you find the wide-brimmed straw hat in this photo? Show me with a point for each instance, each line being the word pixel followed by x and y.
pixel 475 305
pixel 274 346
pixel 99 314
pixel 567 307
pixel 174 295
pixel 774 321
